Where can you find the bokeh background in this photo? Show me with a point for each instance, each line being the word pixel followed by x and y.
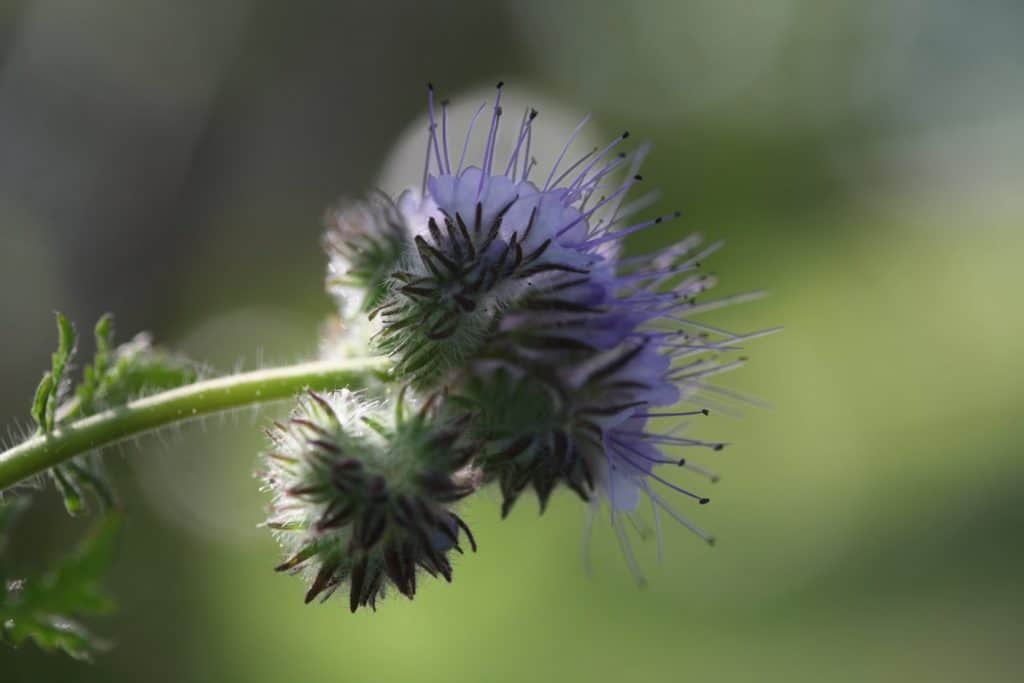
pixel 170 161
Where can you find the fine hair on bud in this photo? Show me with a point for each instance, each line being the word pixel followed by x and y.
pixel 364 492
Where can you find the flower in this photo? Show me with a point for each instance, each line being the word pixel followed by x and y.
pixel 363 494
pixel 512 303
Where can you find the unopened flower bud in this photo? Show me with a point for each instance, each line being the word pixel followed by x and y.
pixel 363 494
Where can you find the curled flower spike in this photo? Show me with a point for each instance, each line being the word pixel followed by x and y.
pixel 512 300
pixel 363 494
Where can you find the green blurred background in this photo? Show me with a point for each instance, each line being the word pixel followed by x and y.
pixel 169 162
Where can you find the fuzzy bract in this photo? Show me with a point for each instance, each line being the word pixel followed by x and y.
pixel 364 494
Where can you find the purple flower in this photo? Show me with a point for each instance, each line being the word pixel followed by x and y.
pixel 513 299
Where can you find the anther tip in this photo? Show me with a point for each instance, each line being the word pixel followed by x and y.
pixel 625 134
pixel 705 501
pixel 638 177
pixel 430 86
pixel 718 446
pixel 682 461
pixel 705 411
pixel 501 84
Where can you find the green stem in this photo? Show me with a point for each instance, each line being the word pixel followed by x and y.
pixel 184 403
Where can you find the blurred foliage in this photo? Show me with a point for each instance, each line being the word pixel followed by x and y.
pixel 46 610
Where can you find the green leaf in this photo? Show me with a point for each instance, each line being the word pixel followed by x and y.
pixel 115 377
pixel 42 397
pixel 66 340
pixel 48 393
pixel 135 369
pixel 47 610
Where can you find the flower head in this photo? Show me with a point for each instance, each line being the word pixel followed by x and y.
pixel 512 302
pixel 363 494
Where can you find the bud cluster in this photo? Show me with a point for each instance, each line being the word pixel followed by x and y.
pixel 547 358
pixel 364 493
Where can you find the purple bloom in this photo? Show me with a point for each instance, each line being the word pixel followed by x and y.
pixel 512 296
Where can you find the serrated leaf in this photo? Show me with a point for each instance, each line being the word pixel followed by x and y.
pixel 66 340
pixel 42 398
pixel 48 393
pixel 93 375
pixel 47 610
pixel 137 369
pixel 104 333
pixel 69 489
pixel 115 377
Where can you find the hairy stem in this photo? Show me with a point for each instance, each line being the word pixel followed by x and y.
pixel 42 452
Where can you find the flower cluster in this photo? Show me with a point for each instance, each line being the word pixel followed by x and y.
pixel 546 358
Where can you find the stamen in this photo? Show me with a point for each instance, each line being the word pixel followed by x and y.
pixel 620 234
pixel 575 165
pixel 492 135
pixel 433 126
pixel 702 411
pixel 609 147
pixel 664 505
pixel 469 136
pixel 627 550
pixel 513 162
pixel 652 475
pixel 565 149
pixel 444 136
